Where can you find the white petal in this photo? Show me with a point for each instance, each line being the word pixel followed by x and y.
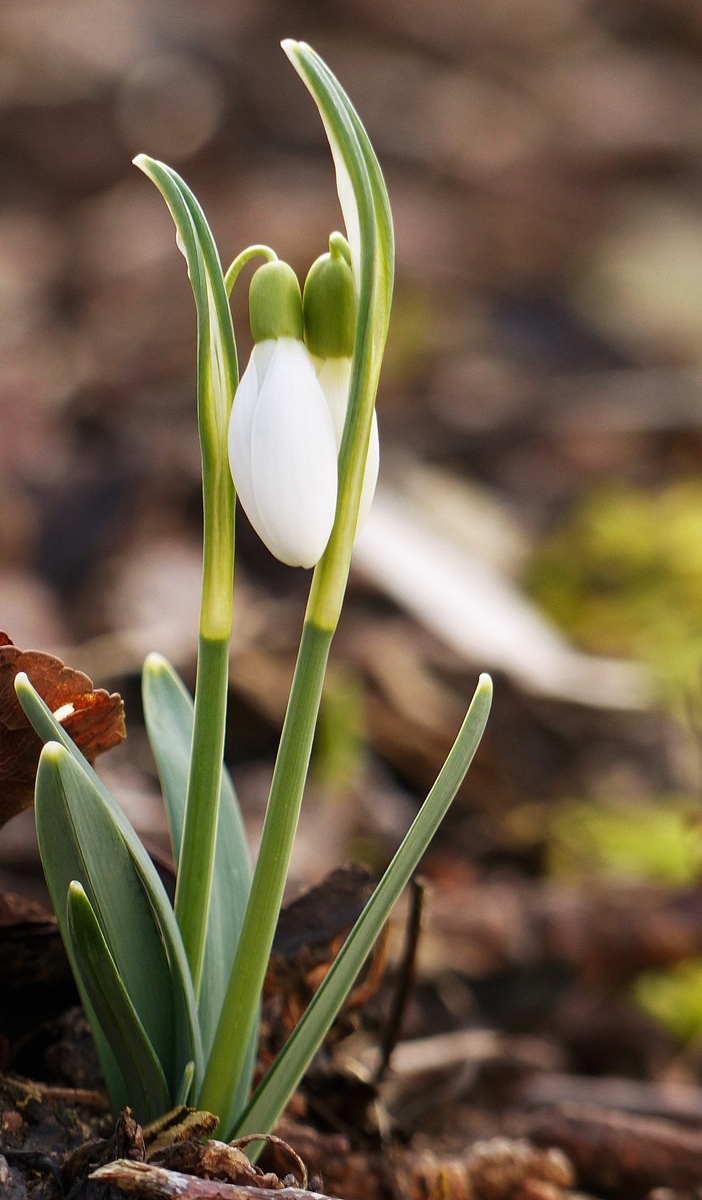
pixel 240 424
pixel 262 354
pixel 370 477
pixel 293 458
pixel 334 375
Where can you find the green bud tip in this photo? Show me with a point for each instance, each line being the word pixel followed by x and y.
pixel 328 303
pixel 338 246
pixel 275 304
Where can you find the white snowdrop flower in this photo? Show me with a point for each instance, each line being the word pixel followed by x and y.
pixel 282 445
pixel 329 309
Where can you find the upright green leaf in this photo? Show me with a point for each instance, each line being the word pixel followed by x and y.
pixel 80 841
pixel 139 1064
pixel 366 208
pixel 274 1091
pixel 187 1032
pixel 168 712
pixel 217 379
pixel 217 382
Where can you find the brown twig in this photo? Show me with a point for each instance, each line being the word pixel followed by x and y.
pixel 156 1183
pixel 405 981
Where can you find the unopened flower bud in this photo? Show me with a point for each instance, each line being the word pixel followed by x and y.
pixel 282 448
pixel 329 310
pixel 275 304
pixel 329 304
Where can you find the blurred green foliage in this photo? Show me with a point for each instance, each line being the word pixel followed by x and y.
pixel 623 576
pixel 673 998
pixel 659 841
pixel 340 741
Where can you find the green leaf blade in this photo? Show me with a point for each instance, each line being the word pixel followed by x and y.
pixel 274 1091
pixel 218 377
pixel 188 1045
pixel 168 712
pixel 366 208
pixel 217 380
pixel 137 1059
pixel 79 840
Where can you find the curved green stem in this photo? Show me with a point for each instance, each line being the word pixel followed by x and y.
pixel 241 260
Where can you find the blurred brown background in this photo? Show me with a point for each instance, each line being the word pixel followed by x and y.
pixel 543 162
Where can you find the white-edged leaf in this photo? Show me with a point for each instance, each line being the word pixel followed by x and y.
pixel 218 377
pixel 366 208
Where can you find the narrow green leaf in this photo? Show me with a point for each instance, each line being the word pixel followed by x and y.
pixel 79 840
pixel 274 1091
pixel 139 1064
pixel 168 712
pixel 186 1084
pixel 187 1031
pixel 218 377
pixel 368 219
pixel 217 372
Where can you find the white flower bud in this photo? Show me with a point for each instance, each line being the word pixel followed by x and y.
pixel 283 452
pixel 334 375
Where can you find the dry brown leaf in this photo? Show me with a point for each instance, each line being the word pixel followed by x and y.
pixel 92 717
pixel 499 1169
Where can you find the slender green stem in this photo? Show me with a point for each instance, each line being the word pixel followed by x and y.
pixel 241 260
pixel 200 824
pixel 240 1008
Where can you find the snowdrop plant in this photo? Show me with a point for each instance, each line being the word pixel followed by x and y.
pixel 173 992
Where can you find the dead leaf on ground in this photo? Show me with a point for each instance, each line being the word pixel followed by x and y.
pixel 310 933
pixel 91 716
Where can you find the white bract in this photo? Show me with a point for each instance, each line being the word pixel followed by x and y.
pixel 334 375
pixel 283 451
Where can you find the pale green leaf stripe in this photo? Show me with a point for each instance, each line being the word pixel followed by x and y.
pixel 168 712
pixel 188 1042
pixel 272 1094
pixel 138 1062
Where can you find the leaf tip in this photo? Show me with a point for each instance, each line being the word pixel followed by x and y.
pixel 53 753
pixel 155 663
pixel 76 891
pixel 22 683
pixel 145 164
pixel 485 682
